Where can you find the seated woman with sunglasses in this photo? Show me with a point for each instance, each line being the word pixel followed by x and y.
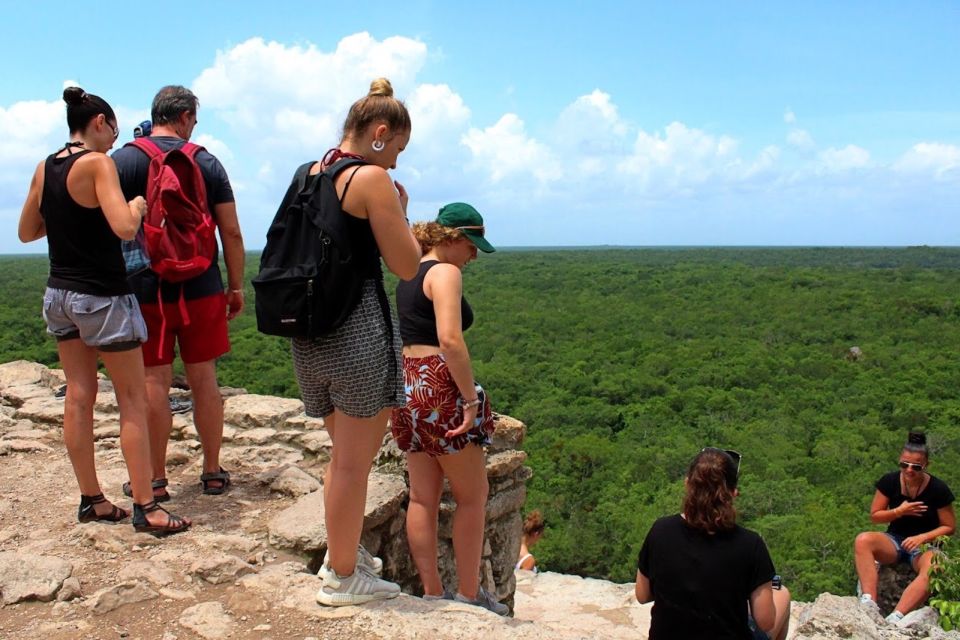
pixel 919 508
pixel 709 578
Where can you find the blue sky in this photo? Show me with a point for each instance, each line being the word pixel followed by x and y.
pixel 565 123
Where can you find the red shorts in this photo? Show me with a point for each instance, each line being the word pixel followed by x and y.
pixel 201 333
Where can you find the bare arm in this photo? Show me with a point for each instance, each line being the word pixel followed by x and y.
pixel 762 608
pixel 31 225
pixel 123 217
pixel 948 523
pixel 385 210
pixel 880 513
pixel 444 285
pixel 642 589
pixel 228 225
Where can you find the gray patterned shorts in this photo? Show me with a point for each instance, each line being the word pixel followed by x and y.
pixel 356 369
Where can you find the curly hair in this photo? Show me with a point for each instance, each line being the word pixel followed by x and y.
pixel 533 523
pixel 708 504
pixel 432 234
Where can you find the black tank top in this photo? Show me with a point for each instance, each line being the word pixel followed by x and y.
pixel 85 254
pixel 418 322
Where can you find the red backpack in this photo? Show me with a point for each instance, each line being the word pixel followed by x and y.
pixel 178 228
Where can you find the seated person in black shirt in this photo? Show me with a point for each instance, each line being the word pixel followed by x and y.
pixel 919 508
pixel 709 578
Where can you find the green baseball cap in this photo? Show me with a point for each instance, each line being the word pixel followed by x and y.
pixel 461 216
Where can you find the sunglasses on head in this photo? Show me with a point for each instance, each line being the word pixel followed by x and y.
pixel 736 455
pixel 911 465
pixel 479 229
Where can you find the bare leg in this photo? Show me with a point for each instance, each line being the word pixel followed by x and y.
pixel 781 604
pixel 426 487
pixel 159 420
pixel 345 495
pixel 80 367
pixel 870 547
pixel 467 472
pixel 127 373
pixel 328 423
pixel 917 591
pixel 207 412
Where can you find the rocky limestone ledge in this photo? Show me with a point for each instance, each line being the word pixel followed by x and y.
pixel 294 448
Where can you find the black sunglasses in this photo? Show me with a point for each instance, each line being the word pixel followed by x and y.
pixel 911 465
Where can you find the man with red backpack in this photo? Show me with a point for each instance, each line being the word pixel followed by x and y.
pixel 182 295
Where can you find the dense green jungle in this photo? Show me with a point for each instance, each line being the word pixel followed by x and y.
pixel 623 363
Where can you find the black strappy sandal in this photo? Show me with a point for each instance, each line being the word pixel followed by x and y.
pixel 160 483
pixel 222 476
pixel 88 513
pixel 175 524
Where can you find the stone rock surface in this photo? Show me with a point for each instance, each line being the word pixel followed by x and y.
pixel 833 617
pixel 111 598
pixel 26 576
pixel 294 481
pixel 252 411
pixel 302 528
pixel 217 568
pixel 208 620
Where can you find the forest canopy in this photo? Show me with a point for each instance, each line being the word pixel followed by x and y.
pixel 623 363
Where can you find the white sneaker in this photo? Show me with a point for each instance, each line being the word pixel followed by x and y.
pixel 362 586
pixel 894 617
pixel 866 602
pixel 364 559
pixel 486 600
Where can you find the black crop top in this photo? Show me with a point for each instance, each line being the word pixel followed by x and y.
pixel 418 322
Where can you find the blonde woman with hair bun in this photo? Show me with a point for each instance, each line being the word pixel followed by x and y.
pixel 352 377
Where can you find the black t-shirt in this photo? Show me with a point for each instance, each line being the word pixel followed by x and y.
pixel 701 583
pixel 936 495
pixel 418 321
pixel 133 165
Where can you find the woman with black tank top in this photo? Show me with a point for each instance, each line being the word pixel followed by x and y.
pixel 351 376
pixel 76 202
pixel 919 509
pixel 447 420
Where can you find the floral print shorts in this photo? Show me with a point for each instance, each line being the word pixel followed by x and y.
pixel 435 406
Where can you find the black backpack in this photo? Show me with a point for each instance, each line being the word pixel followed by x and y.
pixel 309 281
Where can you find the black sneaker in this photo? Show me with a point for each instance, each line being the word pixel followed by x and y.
pixel 60 393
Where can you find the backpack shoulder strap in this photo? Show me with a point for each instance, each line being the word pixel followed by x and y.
pixel 147 146
pixel 342 164
pixel 302 174
pixel 191 150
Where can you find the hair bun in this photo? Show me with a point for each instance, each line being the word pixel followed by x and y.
pixel 381 87
pixel 74 95
pixel 917 437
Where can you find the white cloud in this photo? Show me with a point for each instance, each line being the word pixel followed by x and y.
pixel 681 156
pixel 935 158
pixel 296 96
pixel 849 157
pixel 800 138
pixel 789 117
pixel 505 150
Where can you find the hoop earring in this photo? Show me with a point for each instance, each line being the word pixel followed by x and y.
pixel 378 145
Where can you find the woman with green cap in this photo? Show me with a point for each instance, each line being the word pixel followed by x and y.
pixel 447 418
